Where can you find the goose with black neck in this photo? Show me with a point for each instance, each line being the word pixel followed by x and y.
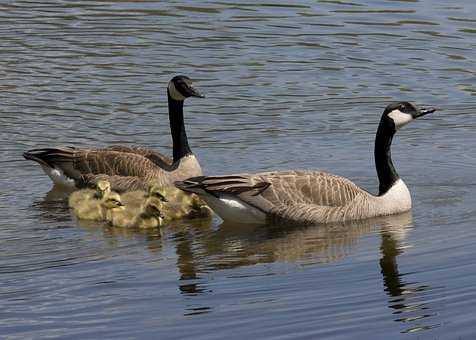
pixel 312 197
pixel 127 167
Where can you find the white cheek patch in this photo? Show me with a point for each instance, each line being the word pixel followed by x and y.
pixel 400 118
pixel 174 93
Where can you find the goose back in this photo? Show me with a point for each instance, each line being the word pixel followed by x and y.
pixel 124 169
pixel 303 197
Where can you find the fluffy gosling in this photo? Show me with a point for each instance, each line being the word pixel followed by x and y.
pixel 103 187
pixel 149 216
pixel 99 210
pixel 182 205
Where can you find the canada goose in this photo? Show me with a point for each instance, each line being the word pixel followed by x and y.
pixel 148 216
pixel 99 210
pixel 127 168
pixel 311 197
pixel 102 188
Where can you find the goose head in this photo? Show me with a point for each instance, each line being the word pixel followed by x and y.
pixel 157 192
pixel 112 201
pixel 180 87
pixel 400 114
pixel 103 187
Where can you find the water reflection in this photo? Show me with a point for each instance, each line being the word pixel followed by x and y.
pixel 202 248
pixel 53 206
pixel 232 246
pixel 406 299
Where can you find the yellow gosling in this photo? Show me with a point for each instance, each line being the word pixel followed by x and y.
pixel 134 200
pixel 149 215
pixel 152 216
pixel 99 210
pixel 103 187
pixel 179 204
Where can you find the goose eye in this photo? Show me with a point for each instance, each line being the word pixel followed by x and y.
pixel 402 107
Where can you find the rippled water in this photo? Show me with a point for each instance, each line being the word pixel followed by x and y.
pixel 289 85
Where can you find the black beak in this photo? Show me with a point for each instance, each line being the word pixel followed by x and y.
pixel 120 204
pixel 424 111
pixel 193 92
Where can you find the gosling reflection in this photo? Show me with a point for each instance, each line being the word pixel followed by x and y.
pixel 405 298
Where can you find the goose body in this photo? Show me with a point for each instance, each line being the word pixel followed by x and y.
pixel 126 167
pixel 311 197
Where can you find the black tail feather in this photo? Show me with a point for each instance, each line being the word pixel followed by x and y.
pixel 49 156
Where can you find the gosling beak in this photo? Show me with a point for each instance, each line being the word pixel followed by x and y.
pixel 424 111
pixel 120 204
pixel 161 197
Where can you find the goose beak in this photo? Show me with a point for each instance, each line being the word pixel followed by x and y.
pixel 193 92
pixel 424 111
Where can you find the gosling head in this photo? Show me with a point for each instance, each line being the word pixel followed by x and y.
pixel 153 208
pixel 180 87
pixel 401 113
pixel 156 191
pixel 103 187
pixel 112 201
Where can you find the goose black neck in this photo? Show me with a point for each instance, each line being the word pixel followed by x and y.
pixel 387 175
pixel 177 128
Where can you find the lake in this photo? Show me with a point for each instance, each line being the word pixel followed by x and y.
pixel 288 85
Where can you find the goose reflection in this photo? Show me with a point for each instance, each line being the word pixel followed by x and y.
pixel 201 248
pixel 406 299
pixel 53 207
pixel 232 246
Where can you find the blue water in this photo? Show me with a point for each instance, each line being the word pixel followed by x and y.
pixel 289 85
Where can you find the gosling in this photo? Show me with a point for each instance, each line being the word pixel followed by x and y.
pixel 181 204
pixel 99 210
pixel 149 216
pixel 135 199
pixel 103 187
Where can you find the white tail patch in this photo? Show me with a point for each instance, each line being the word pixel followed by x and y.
pixel 232 209
pixel 58 177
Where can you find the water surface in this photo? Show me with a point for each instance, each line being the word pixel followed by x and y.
pixel 289 85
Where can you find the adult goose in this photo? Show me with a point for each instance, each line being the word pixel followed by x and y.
pixel 312 197
pixel 127 167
